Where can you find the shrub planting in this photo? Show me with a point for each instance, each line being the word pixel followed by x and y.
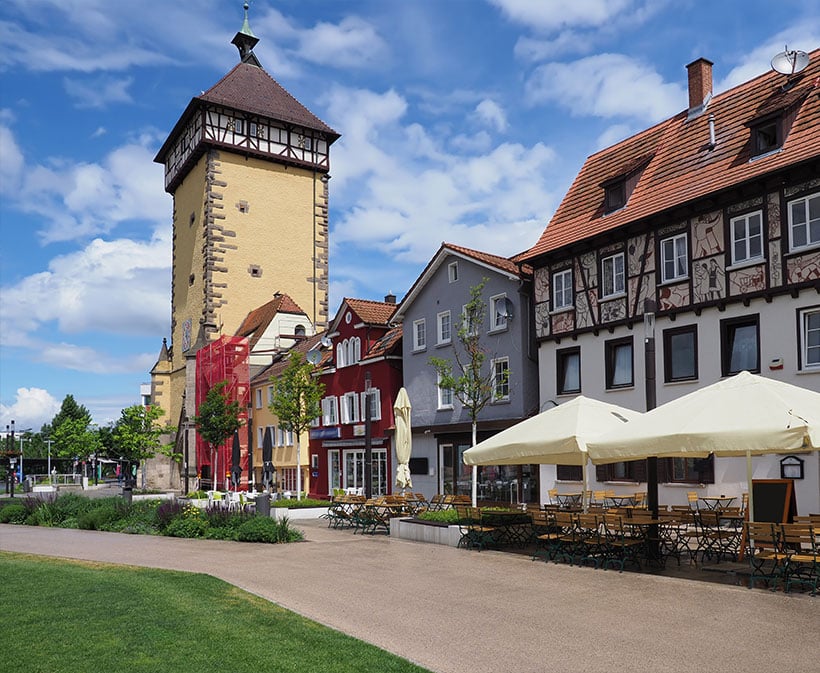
pixel 151 517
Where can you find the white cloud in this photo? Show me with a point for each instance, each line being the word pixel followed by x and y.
pixel 32 408
pixel 12 163
pixel 99 132
pixel 98 92
pixel 91 360
pixel 533 50
pixel 118 286
pixel 81 200
pixel 555 14
pixel 492 114
pixel 606 85
pixel 352 43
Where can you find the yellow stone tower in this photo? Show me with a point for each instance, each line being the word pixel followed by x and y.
pixel 248 167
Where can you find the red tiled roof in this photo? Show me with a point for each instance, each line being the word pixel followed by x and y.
pixel 257 321
pixel 276 368
pixel 248 87
pixel 384 345
pixel 683 168
pixel 372 312
pixel 503 263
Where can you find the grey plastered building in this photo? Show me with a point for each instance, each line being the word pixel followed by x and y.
pixel 430 314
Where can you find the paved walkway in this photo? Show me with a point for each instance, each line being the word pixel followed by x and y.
pixel 457 611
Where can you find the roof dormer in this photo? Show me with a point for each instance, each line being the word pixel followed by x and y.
pixel 619 188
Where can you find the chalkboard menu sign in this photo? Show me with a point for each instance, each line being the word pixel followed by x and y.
pixel 774 500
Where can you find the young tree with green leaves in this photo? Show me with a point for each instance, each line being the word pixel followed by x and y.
pixel 297 398
pixel 137 435
pixel 471 382
pixel 218 419
pixel 76 438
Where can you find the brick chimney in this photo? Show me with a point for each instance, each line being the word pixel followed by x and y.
pixel 700 86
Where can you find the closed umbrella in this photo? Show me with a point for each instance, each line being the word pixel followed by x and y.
pixel 404 440
pixel 236 464
pixel 267 459
pixel 742 415
pixel 557 436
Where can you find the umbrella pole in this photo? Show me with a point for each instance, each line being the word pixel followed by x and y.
pixel 475 473
pixel 749 484
pixel 584 500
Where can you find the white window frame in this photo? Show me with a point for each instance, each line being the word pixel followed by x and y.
pixel 470 330
pixel 419 334
pixel 806 202
pixel 452 272
pixel 330 410
pixel 259 398
pixel 441 337
pixel 445 395
pixel 810 339
pixel 498 386
pixel 562 293
pixel 617 288
pixel 341 354
pixel 497 322
pixel 270 395
pixel 745 238
pixel 350 408
pixel 677 247
pixel 375 405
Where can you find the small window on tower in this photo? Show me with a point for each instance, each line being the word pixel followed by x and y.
pixel 243 206
pixel 255 271
pixel 191 279
pixel 192 220
pixel 239 126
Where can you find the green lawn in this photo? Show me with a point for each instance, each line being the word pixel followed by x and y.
pixel 72 616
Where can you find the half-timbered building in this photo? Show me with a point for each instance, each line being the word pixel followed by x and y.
pixel 710 220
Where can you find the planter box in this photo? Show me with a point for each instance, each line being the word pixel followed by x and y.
pixel 44 489
pixel 425 531
pixel 298 512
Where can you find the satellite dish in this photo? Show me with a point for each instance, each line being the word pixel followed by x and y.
pixel 790 62
pixel 504 310
pixel 326 342
pixel 313 357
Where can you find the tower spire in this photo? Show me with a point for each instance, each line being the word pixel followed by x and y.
pixel 245 41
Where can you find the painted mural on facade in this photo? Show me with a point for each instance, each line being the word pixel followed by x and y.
pixel 748 279
pixel 803 268
pixel 707 235
pixel 709 279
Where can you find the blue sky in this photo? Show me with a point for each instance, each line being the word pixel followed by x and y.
pixel 462 121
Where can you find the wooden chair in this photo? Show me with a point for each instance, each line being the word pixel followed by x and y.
pixel 591 540
pixel 621 545
pixel 744 503
pixel 553 496
pixel 764 552
pixel 474 534
pixel 599 498
pixel 802 555
pixel 547 535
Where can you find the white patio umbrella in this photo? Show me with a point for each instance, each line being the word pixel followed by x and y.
pixel 403 439
pixel 742 415
pixel 557 436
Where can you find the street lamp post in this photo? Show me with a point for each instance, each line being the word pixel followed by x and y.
pixel 368 441
pixel 651 403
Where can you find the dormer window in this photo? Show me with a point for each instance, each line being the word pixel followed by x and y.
pixel 615 196
pixel 619 188
pixel 766 136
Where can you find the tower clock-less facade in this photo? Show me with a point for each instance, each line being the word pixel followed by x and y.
pixel 248 167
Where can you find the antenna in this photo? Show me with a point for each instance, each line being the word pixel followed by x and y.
pixel 790 62
pixel 313 357
pixel 326 342
pixel 504 309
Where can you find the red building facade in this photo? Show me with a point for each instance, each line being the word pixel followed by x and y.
pixel 362 353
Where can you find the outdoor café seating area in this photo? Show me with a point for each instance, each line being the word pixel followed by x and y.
pixel 707 532
pixel 363 515
pixel 232 501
